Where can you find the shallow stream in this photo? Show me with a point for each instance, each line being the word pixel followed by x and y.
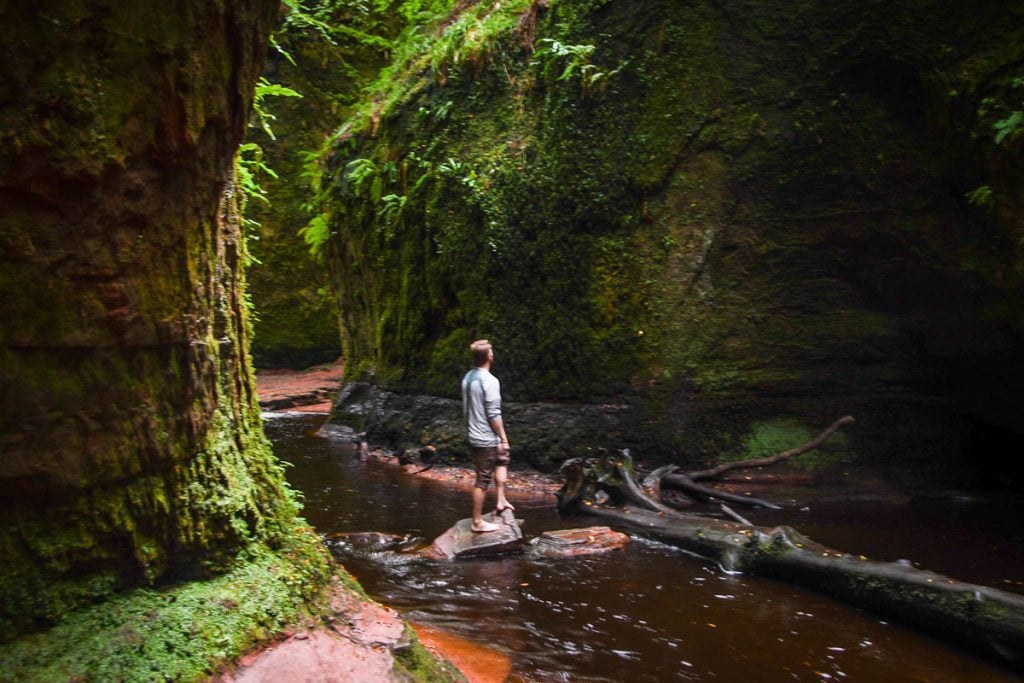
pixel 650 612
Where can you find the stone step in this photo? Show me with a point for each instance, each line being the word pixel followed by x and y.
pixel 573 542
pixel 461 541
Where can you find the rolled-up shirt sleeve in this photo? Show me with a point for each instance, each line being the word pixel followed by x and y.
pixel 492 399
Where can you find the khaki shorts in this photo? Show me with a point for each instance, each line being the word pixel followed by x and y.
pixel 485 459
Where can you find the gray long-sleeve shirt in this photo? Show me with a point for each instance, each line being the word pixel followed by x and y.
pixel 481 404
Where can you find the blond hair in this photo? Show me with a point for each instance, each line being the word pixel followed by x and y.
pixel 481 350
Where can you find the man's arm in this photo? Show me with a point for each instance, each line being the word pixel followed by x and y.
pixel 498 425
pixel 492 406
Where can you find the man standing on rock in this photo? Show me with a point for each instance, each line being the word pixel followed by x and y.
pixel 481 405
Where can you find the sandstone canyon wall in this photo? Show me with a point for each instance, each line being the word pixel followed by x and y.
pixel 130 444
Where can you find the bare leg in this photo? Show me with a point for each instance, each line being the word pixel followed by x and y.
pixel 500 477
pixel 478 508
pixel 478 504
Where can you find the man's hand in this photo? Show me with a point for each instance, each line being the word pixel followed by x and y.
pixel 503 447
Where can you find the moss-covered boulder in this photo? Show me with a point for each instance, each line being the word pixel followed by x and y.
pixel 741 216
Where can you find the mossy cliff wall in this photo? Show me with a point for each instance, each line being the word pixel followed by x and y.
pixel 297 320
pixel 329 64
pixel 130 437
pixel 740 220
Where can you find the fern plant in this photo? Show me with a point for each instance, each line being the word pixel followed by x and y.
pixel 358 171
pixel 1009 129
pixel 574 59
pixel 250 165
pixel 265 89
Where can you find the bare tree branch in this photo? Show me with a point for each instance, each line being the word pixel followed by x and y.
pixel 763 462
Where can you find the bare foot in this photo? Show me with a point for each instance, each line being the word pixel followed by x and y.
pixel 484 527
pixel 501 507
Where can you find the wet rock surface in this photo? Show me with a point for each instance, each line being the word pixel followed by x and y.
pixel 373 540
pixel 310 390
pixel 357 646
pixel 785 484
pixel 461 542
pixel 590 540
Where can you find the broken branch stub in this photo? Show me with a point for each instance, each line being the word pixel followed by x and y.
pixel 613 475
pixel 705 494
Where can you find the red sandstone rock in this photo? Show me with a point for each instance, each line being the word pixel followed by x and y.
pixel 572 542
pixel 320 656
pixel 310 390
pixel 357 647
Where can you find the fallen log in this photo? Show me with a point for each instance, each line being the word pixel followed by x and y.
pixel 706 494
pixel 986 620
pixel 652 482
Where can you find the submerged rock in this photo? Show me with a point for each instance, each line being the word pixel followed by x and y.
pixel 367 539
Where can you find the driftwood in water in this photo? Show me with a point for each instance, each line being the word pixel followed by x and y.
pixel 670 477
pixel 705 494
pixel 986 620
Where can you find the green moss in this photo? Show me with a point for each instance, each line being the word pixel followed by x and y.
pixel 179 632
pixel 772 437
pixel 418 664
pixel 205 511
pixel 133 451
pixel 476 214
pixel 133 454
pixel 745 220
pixel 334 62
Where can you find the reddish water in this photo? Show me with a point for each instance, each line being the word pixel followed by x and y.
pixel 650 612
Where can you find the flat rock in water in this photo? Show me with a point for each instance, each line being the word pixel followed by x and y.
pixel 462 541
pixel 572 542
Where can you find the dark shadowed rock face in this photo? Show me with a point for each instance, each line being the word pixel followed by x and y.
pixel 542 434
pixel 126 391
pixel 754 223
